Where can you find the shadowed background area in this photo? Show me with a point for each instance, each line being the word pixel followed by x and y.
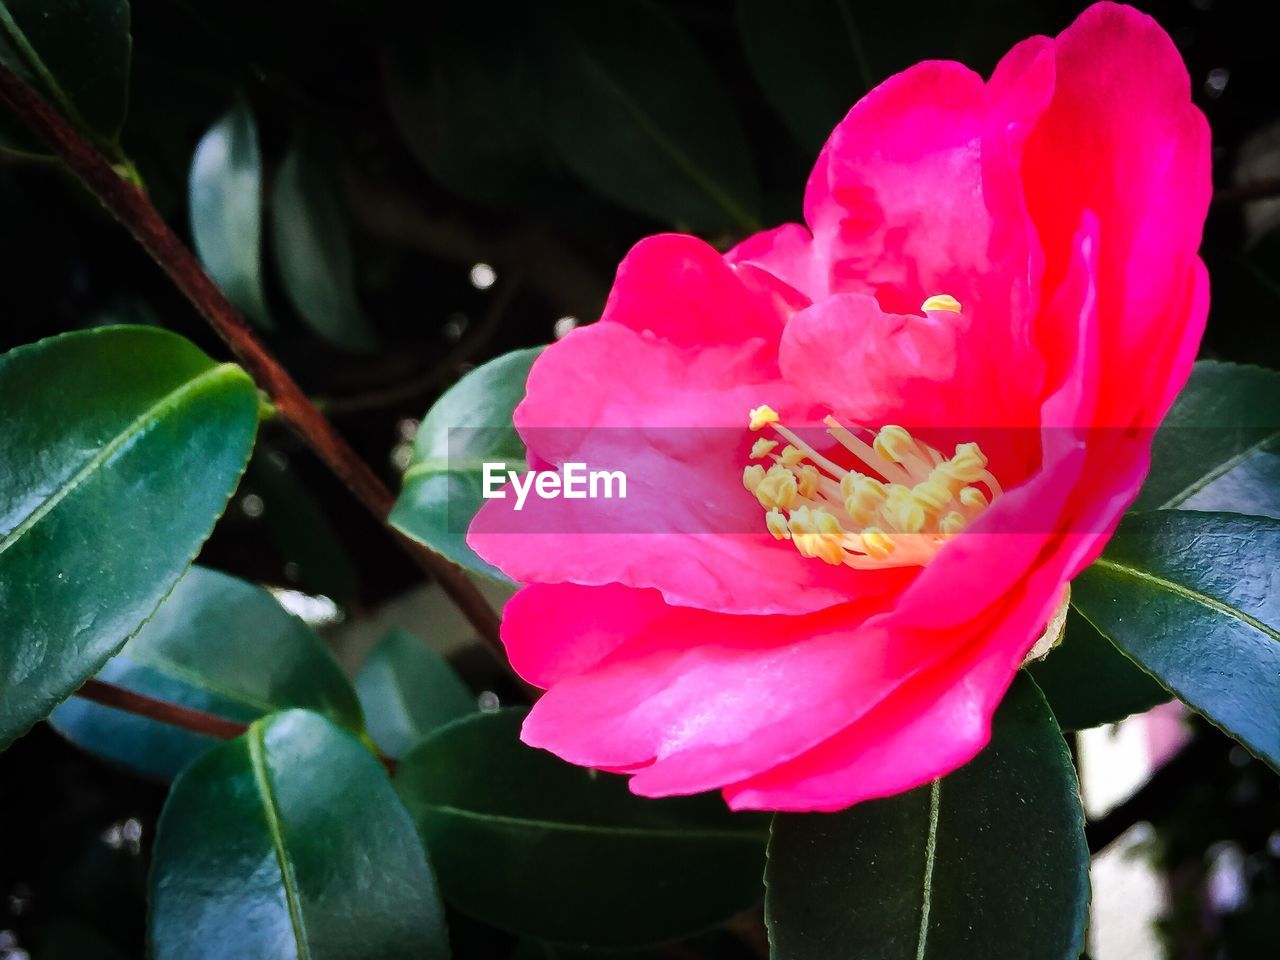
pixel 394 193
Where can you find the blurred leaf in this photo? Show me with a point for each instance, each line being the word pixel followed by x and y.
pixel 313 252
pixel 1224 414
pixel 988 862
pixel 528 843
pixel 1088 682
pixel 225 199
pixel 1194 599
pixel 469 426
pixel 302 530
pixel 464 88
pixel 216 644
pixel 816 58
pixel 407 691
pixel 638 113
pixel 288 842
pixel 121 446
pixel 810 59
pixel 75 54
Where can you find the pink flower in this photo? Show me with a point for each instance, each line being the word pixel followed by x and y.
pixel 1008 271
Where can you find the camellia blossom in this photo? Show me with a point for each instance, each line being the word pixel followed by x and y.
pixel 931 405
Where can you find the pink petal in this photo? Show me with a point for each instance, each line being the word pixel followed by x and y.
pixel 1122 139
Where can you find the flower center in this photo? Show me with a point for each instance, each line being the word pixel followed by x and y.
pixel 902 516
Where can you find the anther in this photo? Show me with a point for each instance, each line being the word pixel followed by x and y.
pixel 941 302
pixel 762 415
pixel 777 489
pixel 877 543
pixel 777 524
pixel 762 448
pixel 893 443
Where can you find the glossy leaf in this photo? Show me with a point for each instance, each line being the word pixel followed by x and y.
pixel 638 113
pixel 1222 417
pixel 288 842
pixel 1251 486
pixel 525 842
pixel 313 252
pixel 1088 682
pixel 467 427
pixel 464 88
pixel 407 691
pixel 75 53
pixel 121 446
pixel 988 862
pixel 1194 599
pixel 224 193
pixel 216 644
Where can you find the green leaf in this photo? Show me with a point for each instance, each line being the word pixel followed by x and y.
pixel 313 252
pixel 1088 682
pixel 1194 599
pixel 224 193
pixel 408 690
pixel 301 529
pixel 638 113
pixel 988 862
pixel 1223 416
pixel 219 645
pixel 815 58
pixel 121 446
pixel 810 59
pixel 288 842
pixel 467 427
pixel 75 54
pixel 1251 486
pixel 525 842
pixel 465 91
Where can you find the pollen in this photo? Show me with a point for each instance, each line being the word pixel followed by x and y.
pixel 762 448
pixel 762 416
pixel 941 302
pixel 779 488
pixel 898 503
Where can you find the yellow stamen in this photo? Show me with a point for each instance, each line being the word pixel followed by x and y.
pixel 777 524
pixel 762 448
pixel 923 499
pixel 777 489
pixel 761 415
pixel 817 534
pixel 893 443
pixel 791 455
pixel 877 543
pixel 807 480
pixel 941 302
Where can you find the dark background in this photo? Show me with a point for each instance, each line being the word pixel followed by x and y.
pixel 431 122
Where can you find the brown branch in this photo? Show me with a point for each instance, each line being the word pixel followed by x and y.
pixel 130 206
pixel 172 714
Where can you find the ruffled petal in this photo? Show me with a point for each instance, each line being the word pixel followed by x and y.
pixel 1121 138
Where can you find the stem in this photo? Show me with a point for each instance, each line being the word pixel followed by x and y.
pixel 130 206
pixel 174 715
